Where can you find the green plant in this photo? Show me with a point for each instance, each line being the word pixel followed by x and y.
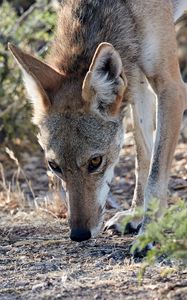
pixel 168 233
pixel 32 31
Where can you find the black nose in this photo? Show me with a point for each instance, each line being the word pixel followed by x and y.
pixel 80 235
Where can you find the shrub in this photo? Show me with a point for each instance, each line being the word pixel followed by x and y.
pixel 168 233
pixel 32 31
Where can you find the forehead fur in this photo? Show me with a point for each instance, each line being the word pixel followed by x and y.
pixel 69 97
pixel 63 133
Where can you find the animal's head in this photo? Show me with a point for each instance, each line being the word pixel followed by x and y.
pixel 79 129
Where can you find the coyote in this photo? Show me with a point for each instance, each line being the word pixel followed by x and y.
pixel 108 54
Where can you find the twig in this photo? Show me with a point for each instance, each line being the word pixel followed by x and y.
pixel 27 13
pixel 20 170
pixel 6 111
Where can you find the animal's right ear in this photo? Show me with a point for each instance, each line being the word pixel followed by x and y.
pixel 105 82
pixel 40 79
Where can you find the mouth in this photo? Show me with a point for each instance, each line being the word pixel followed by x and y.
pixel 80 234
pixel 96 230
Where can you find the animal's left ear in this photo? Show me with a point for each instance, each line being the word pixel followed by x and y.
pixel 41 80
pixel 105 82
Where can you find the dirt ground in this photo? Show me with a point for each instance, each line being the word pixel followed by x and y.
pixel 38 260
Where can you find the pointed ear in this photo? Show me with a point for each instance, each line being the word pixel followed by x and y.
pixel 40 79
pixel 105 83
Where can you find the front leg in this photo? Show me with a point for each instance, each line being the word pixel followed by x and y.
pixel 143 102
pixel 171 96
pixel 158 60
pixel 170 108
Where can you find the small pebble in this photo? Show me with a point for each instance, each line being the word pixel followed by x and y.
pixel 112 261
pixel 97 297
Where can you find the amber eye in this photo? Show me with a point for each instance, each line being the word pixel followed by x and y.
pixel 94 163
pixel 54 167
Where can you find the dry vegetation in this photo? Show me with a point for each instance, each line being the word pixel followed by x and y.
pixel 37 259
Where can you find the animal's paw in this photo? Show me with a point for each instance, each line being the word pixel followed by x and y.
pixel 116 223
pixel 139 254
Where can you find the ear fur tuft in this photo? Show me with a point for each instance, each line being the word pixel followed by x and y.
pixel 105 82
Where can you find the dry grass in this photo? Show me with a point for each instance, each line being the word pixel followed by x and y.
pixel 38 260
pixel 13 199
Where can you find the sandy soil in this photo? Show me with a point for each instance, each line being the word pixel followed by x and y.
pixel 38 260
